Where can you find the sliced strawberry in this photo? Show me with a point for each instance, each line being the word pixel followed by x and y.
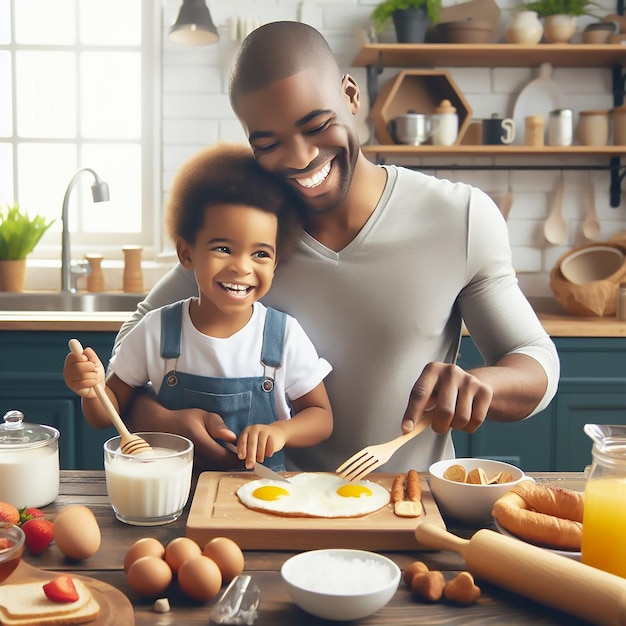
pixel 9 514
pixel 29 513
pixel 39 533
pixel 5 543
pixel 61 589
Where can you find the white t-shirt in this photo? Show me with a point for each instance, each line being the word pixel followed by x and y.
pixel 138 360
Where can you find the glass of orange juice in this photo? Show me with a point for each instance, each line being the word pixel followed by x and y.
pixel 604 518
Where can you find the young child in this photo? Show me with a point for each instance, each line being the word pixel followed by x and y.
pixel 223 351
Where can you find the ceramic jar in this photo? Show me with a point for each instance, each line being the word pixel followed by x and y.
pixel 559 28
pixel 619 125
pixel 533 130
pixel 593 128
pixel 524 28
pixel 445 126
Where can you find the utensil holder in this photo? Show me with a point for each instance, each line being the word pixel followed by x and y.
pixel 132 278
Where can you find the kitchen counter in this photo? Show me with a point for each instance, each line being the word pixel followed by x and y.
pixel 496 605
pixel 556 321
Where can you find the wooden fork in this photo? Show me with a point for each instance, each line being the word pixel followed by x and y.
pixel 368 459
pixel 129 444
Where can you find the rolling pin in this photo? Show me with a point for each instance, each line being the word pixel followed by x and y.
pixel 551 579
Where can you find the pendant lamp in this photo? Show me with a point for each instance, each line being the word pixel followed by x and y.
pixel 194 26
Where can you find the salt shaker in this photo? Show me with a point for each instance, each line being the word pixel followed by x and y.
pixel 445 124
pixel 560 128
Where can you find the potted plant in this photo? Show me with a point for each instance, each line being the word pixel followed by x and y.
pixel 410 17
pixel 559 17
pixel 19 234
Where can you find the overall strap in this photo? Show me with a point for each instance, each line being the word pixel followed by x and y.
pixel 171 330
pixel 272 350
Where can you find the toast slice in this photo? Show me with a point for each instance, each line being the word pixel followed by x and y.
pixel 26 604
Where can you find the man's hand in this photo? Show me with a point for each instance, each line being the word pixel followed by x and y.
pixel 455 399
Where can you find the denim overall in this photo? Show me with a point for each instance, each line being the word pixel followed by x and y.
pixel 238 401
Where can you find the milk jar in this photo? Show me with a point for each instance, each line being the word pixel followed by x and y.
pixel 445 126
pixel 604 518
pixel 29 462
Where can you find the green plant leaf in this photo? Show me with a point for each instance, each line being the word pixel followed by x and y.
pixel 19 233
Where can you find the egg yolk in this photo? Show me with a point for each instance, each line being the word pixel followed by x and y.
pixel 270 493
pixel 354 491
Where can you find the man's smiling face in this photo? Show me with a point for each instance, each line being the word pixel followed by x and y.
pixel 302 128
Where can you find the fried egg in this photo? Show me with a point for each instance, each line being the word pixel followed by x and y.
pixel 314 495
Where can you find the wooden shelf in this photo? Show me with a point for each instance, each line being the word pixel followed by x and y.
pixel 490 55
pixel 495 151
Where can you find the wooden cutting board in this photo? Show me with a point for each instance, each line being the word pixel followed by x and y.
pixel 217 512
pixel 115 607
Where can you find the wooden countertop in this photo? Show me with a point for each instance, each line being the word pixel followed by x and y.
pixel 276 609
pixel 556 321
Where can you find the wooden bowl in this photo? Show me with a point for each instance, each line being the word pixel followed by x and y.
pixel 585 279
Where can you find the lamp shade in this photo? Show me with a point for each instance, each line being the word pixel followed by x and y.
pixel 194 26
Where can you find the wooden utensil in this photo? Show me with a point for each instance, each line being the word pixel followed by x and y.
pixel 552 579
pixel 368 459
pixel 555 227
pixel 591 225
pixel 130 444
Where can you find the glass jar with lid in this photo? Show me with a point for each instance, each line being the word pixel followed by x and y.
pixel 29 462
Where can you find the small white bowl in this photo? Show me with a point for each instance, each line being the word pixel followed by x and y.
pixel 465 502
pixel 323 582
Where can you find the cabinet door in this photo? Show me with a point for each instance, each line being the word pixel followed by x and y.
pixel 57 413
pixel 592 404
pixel 526 444
pixel 31 380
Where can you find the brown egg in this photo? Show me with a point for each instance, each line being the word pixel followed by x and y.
pixel 179 550
pixel 228 556
pixel 147 546
pixel 76 532
pixel 200 578
pixel 149 576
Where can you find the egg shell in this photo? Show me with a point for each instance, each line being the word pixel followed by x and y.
pixel 200 578
pixel 228 556
pixel 149 576
pixel 76 532
pixel 179 550
pixel 147 546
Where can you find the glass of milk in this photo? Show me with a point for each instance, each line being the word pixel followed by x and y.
pixel 152 487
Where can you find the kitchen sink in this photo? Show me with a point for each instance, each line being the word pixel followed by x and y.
pixel 65 301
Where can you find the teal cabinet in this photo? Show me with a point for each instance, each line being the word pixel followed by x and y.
pixel 592 388
pixel 31 381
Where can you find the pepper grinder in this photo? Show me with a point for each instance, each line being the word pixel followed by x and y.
pixel 95 278
pixel 132 278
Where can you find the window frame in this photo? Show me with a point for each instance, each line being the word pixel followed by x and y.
pixel 108 244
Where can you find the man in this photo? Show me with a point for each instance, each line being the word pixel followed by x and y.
pixel 389 264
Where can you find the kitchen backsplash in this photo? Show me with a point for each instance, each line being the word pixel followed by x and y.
pixel 196 112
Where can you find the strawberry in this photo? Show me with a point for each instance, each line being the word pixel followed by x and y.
pixel 39 533
pixel 61 589
pixel 9 514
pixel 27 513
pixel 5 543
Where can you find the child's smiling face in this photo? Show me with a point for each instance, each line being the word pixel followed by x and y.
pixel 233 257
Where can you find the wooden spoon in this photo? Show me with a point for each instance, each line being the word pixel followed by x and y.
pixel 507 201
pixel 555 227
pixel 591 225
pixel 130 444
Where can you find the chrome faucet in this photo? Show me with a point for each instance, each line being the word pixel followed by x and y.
pixel 70 271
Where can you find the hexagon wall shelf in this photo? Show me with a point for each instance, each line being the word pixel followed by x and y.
pixel 420 91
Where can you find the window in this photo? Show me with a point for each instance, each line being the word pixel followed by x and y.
pixel 78 90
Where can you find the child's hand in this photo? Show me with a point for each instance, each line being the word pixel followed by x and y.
pixel 82 372
pixel 259 441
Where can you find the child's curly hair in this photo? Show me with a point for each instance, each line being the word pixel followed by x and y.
pixel 228 174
